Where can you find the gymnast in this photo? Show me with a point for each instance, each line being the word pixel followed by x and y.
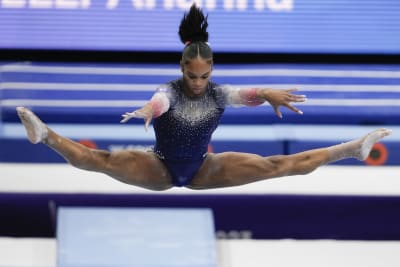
pixel 186 112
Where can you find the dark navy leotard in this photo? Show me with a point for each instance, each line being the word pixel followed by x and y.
pixel 184 131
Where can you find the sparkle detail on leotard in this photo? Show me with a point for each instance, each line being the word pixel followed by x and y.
pixel 184 131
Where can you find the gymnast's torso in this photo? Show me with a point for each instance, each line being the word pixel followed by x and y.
pixel 184 131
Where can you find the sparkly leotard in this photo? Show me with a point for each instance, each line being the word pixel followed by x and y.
pixel 184 131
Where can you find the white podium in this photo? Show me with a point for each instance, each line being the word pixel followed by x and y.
pixel 135 237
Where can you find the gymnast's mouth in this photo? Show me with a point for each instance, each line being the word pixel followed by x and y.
pixel 198 90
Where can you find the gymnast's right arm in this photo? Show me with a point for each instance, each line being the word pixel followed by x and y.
pixel 158 105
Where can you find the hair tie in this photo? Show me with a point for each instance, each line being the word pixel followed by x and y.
pixel 189 42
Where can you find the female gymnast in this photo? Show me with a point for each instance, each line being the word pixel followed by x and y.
pixel 186 112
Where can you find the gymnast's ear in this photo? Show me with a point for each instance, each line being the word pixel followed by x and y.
pixel 182 66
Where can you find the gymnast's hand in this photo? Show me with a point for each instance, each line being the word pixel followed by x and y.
pixel 145 113
pixel 277 98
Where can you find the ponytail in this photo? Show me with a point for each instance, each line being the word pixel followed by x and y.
pixel 193 34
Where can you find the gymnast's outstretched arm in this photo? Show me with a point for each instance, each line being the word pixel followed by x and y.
pixel 257 96
pixel 157 106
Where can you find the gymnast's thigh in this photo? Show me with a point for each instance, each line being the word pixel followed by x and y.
pixel 233 169
pixel 139 168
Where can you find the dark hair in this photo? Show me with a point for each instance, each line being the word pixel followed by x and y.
pixel 193 33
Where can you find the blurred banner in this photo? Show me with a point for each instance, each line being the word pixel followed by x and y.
pixel 267 26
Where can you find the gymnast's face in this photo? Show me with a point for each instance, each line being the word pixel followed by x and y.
pixel 196 74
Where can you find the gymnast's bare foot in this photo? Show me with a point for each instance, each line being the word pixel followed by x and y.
pixel 36 130
pixel 366 143
pixel 358 148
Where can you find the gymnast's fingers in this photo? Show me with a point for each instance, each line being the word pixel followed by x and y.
pixel 147 123
pixel 294 109
pixel 299 98
pixel 278 112
pixel 129 115
pixel 125 118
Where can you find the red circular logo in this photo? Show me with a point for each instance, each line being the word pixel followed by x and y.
pixel 378 155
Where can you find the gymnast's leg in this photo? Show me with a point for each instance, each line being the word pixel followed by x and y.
pixel 138 168
pixel 232 169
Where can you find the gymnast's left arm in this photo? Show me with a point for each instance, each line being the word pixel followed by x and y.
pixel 257 96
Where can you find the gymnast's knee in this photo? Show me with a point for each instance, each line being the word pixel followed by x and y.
pixel 277 166
pixel 301 167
